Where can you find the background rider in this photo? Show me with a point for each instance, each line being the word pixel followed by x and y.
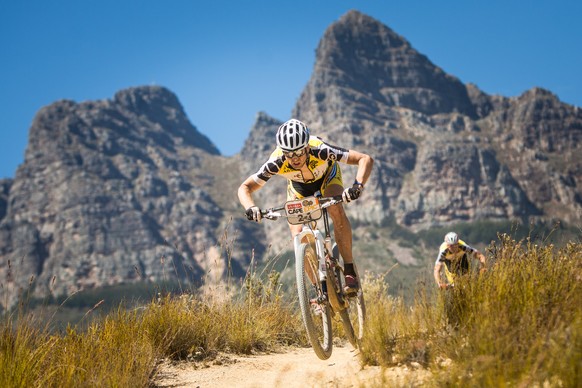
pixel 453 259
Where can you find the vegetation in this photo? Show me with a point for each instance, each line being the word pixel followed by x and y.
pixel 383 247
pixel 518 324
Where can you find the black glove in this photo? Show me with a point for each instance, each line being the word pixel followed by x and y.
pixel 253 213
pixel 353 193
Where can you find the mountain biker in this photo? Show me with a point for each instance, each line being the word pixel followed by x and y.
pixel 453 258
pixel 310 165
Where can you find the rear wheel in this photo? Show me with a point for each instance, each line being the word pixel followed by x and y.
pixel 354 315
pixel 357 312
pixel 314 308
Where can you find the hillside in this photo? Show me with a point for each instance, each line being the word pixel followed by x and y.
pixel 128 190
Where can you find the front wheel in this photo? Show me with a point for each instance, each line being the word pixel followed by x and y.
pixel 313 303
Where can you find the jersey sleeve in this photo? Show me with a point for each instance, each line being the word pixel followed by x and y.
pixel 270 168
pixel 467 248
pixel 441 256
pixel 326 151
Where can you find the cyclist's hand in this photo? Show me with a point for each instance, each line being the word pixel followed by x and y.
pixel 253 213
pixel 353 193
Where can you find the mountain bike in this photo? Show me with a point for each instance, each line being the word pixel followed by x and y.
pixel 319 274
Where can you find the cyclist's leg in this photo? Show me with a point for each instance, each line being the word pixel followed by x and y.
pixel 333 186
pixel 343 237
pixel 341 224
pixel 342 228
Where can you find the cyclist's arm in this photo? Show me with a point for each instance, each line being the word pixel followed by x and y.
pixel 364 163
pixel 437 274
pixel 475 254
pixel 245 191
pixel 481 258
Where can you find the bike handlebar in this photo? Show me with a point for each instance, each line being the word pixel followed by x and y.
pixel 275 213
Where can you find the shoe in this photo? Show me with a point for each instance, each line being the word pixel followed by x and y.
pixel 352 285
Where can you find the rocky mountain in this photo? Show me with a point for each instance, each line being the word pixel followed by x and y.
pixel 111 191
pixel 128 190
pixel 445 151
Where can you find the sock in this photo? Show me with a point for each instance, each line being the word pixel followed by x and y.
pixel 349 269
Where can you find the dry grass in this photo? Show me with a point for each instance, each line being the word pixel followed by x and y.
pixel 519 324
pixel 125 346
pixel 114 352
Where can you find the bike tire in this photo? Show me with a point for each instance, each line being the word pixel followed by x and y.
pixel 349 328
pixel 318 327
pixel 353 319
pixel 354 316
pixel 358 312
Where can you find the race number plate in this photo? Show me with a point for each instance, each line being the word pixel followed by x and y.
pixel 301 211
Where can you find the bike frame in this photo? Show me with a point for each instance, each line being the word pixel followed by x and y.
pixel 318 246
pixel 323 243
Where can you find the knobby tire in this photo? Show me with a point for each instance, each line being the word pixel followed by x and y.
pixel 318 327
pixel 353 317
pixel 357 312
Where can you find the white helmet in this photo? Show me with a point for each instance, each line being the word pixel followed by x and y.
pixel 451 238
pixel 292 135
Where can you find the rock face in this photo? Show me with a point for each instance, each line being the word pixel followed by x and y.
pixel 110 192
pixel 445 152
pixel 127 190
pixel 4 192
pixel 361 60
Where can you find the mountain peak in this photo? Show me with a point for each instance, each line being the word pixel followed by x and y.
pixel 357 30
pixel 360 53
pixel 145 97
pixel 363 27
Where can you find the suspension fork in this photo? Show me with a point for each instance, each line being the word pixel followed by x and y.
pixel 315 236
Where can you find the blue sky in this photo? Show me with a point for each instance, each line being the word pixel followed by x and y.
pixel 228 60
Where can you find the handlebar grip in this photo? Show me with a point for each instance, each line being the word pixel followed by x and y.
pixel 249 214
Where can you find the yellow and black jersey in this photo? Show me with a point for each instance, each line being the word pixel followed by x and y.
pixel 322 156
pixel 455 263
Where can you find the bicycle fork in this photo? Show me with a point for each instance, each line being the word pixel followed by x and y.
pixel 314 237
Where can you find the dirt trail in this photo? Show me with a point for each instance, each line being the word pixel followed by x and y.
pixel 291 368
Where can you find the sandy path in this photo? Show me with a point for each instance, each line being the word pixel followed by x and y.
pixel 292 368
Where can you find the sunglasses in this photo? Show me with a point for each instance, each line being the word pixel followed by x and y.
pixel 295 154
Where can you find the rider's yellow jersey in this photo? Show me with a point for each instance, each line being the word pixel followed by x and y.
pixel 321 157
pixel 455 263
